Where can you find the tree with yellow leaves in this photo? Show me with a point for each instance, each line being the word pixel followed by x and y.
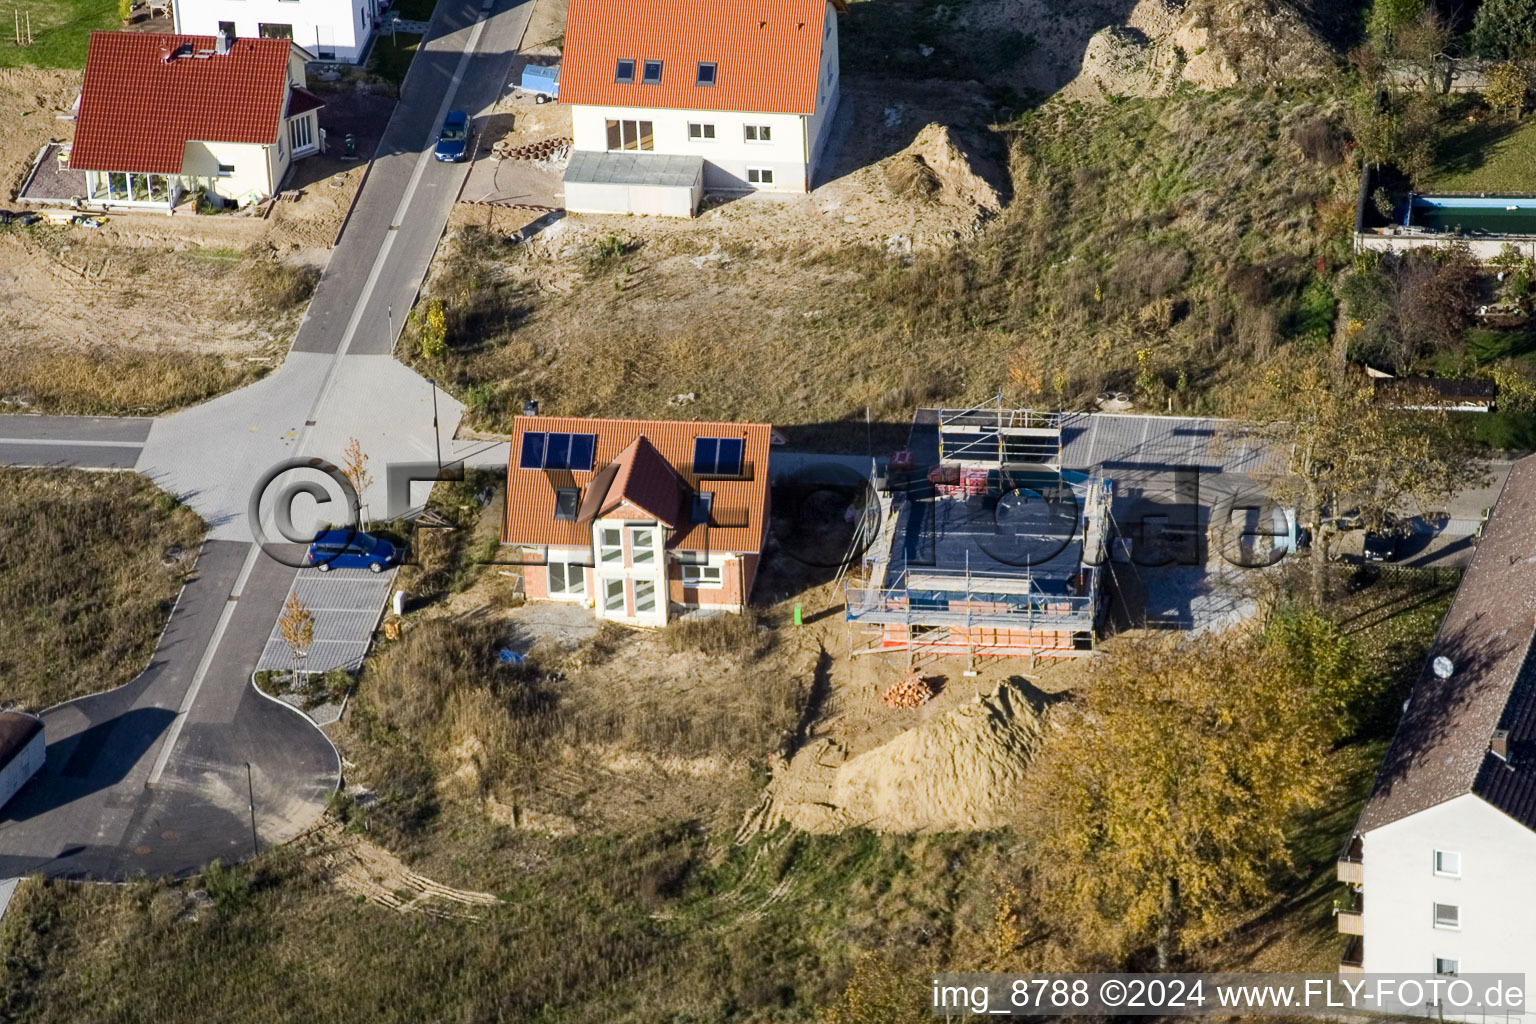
pixel 1164 799
pixel 1351 450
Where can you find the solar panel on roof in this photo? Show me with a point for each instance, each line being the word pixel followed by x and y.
pixel 717 456
pixel 532 456
pixel 557 450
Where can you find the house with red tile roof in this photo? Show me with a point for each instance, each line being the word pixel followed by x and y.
pixel 672 97
pixel 162 115
pixel 638 519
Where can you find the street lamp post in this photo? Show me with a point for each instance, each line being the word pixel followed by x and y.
pixel 251 790
pixel 437 443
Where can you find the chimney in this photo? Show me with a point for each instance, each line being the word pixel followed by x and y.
pixel 1499 744
pixel 167 52
pixel 221 45
pixel 531 407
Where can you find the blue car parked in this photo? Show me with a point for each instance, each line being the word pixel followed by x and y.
pixel 453 140
pixel 350 549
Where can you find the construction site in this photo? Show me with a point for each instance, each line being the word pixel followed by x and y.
pixel 986 545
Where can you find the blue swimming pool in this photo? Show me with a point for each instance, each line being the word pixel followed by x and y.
pixel 1487 215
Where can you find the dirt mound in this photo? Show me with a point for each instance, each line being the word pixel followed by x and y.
pixel 940 163
pixel 1212 44
pixel 957 771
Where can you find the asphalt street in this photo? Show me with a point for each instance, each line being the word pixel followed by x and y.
pixel 89 442
pixel 99 810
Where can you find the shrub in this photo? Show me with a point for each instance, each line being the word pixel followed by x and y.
pixel 279 287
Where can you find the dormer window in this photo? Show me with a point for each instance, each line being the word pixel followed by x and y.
pixel 651 74
pixel 624 72
pixel 567 501
pixel 706 74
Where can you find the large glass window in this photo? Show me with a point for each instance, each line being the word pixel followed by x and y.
pixel 645 596
pixel 610 546
pixel 706 577
pixel 642 542
pixel 631 135
pixel 567 579
pixel 613 595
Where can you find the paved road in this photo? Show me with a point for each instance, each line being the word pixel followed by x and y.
pixel 113 799
pixel 153 776
pixel 90 442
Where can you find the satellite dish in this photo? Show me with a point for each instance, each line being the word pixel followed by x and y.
pixel 1443 667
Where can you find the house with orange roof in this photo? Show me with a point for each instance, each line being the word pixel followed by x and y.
pixel 162 115
pixel 673 97
pixel 638 519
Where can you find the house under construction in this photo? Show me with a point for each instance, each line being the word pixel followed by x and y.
pixel 986 546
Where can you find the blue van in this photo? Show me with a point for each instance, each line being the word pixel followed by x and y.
pixel 350 549
pixel 453 140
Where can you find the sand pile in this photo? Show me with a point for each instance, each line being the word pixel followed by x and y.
pixel 1212 44
pixel 958 771
pixel 941 164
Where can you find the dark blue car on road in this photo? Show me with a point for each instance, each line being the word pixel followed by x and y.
pixel 453 140
pixel 350 549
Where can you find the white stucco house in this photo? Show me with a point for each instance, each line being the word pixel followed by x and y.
pixel 337 30
pixel 742 100
pixel 161 115
pixel 1440 862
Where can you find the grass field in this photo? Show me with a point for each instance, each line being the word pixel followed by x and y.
pixel 84 591
pixel 60 30
pixel 391 56
pixel 1497 157
pixel 666 920
pixel 1145 252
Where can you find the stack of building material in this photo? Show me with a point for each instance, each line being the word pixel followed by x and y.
pixel 911 692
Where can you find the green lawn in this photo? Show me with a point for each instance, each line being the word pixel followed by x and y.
pixel 60 29
pixel 1499 157
pixel 391 56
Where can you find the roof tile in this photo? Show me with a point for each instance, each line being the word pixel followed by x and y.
pixel 139 110
pixel 767 53
pixel 740 505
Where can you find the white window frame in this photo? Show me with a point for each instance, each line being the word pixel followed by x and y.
pixel 1441 869
pixel 1445 925
pixel 764 175
pixel 757 133
pixel 647 582
pixel 635 547
pixel 610 552
pixel 1455 963
pixel 698 576
pixel 573 580
pixel 705 131
pixel 608 606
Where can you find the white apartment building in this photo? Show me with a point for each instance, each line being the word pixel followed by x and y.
pixel 336 30
pixel 1440 862
pixel 742 101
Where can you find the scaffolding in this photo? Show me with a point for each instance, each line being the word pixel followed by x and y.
pixel 958 598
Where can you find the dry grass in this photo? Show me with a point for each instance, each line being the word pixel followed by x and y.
pixel 1142 205
pixel 107 381
pixel 84 588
